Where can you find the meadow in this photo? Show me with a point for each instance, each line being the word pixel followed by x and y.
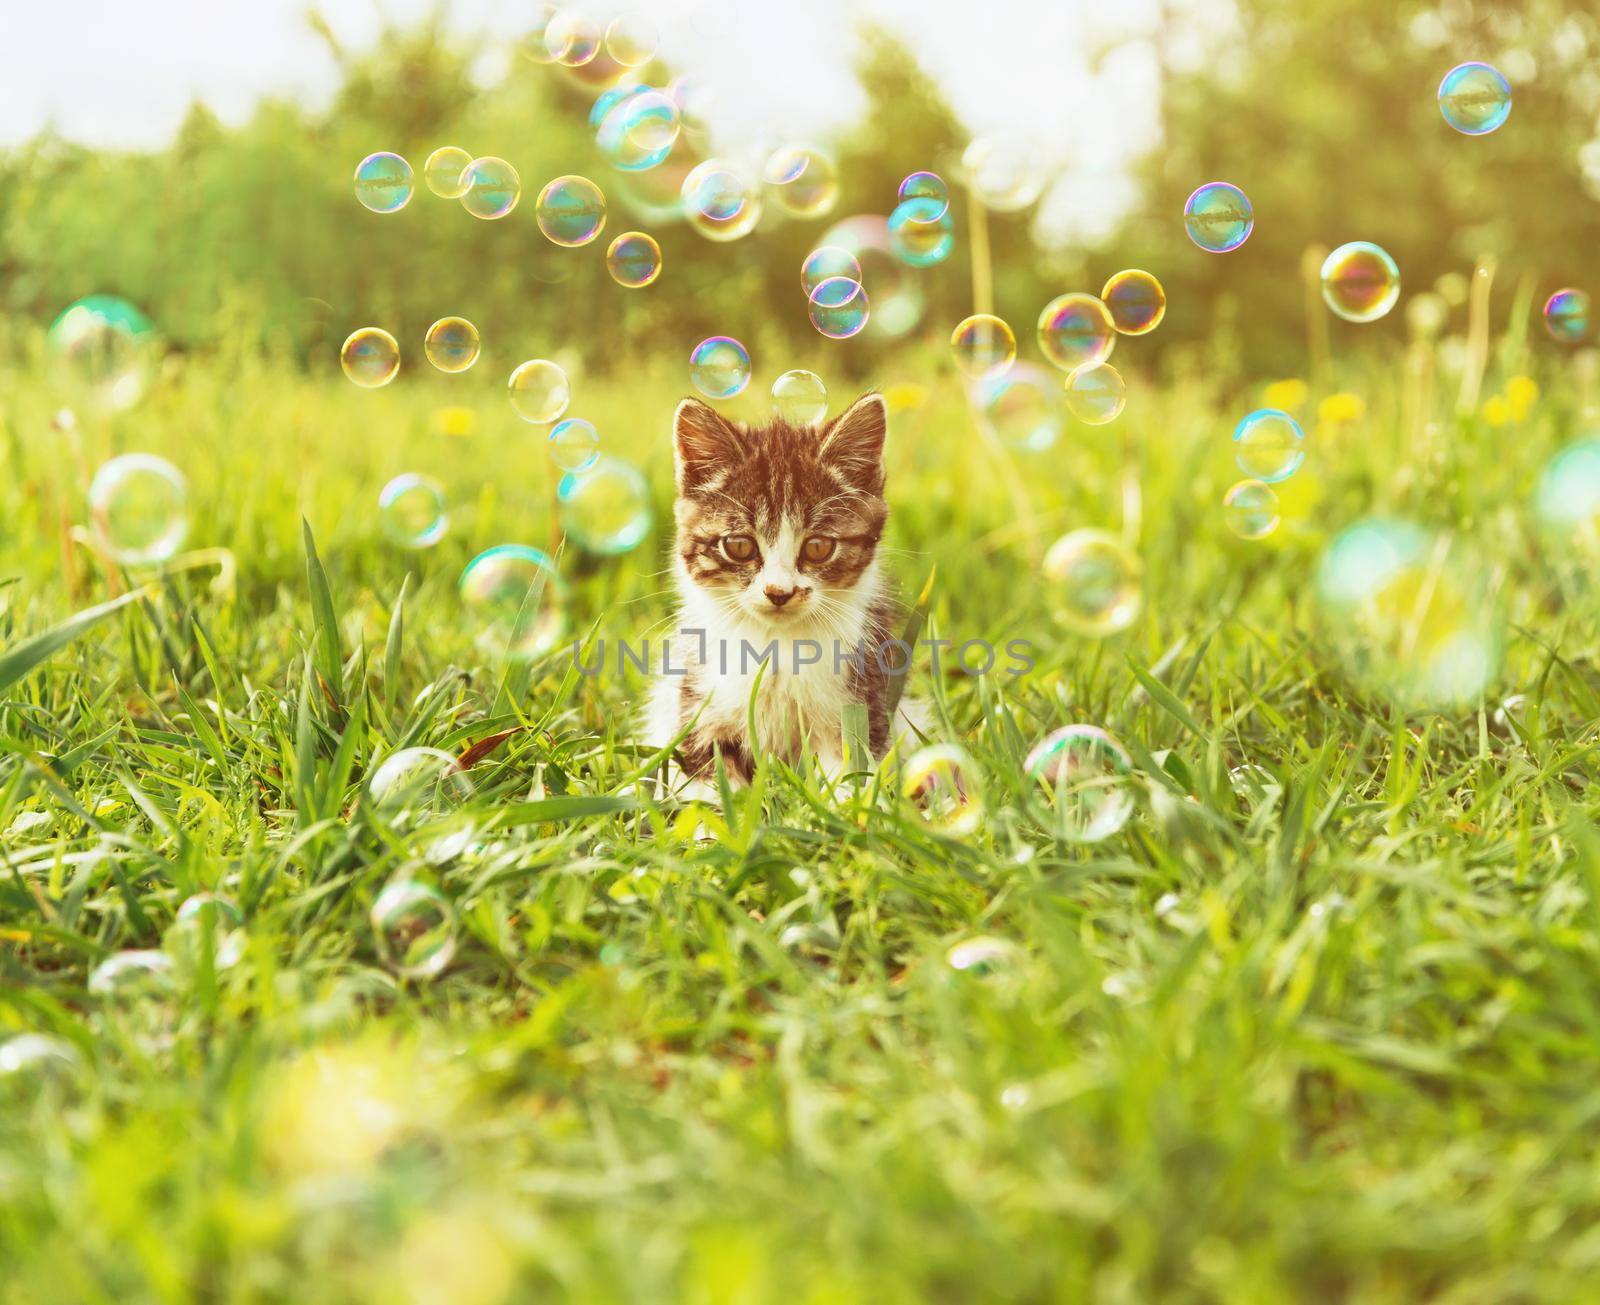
pixel 1325 1037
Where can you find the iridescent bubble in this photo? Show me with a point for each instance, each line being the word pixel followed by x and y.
pixel 634 260
pixel 1408 614
pixel 572 37
pixel 415 789
pixel 451 344
pixel 104 349
pixel 638 132
pixel 984 346
pixel 606 509
pixel 1023 407
pixel 926 185
pixel 1080 784
pixel 720 200
pixel 414 928
pixel 1566 501
pixel 413 511
pixel 139 507
pixel 804 180
pixel 40 1056
pixel 824 264
pixel 539 392
pixel 897 297
pixel 533 46
pixel 921 233
pixel 129 978
pixel 1360 282
pixel 1566 316
pixel 839 308
pixel 1096 393
pixel 632 40
pixel 1099 581
pixel 383 182
pixel 1003 173
pixel 655 195
pixel 494 587
pixel 370 357
pixel 213 914
pixel 719 367
pixel 943 782
pixel 1076 329
pixel 1136 302
pixel 443 171
pixel 490 188
pixel 800 397
pixel 985 958
pixel 571 211
pixel 1475 98
pixel 1251 509
pixel 574 444
pixel 1269 445
pixel 1218 217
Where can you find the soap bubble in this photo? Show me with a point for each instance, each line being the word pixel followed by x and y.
pixel 1566 316
pixel 412 510
pixel 414 927
pixel 1474 98
pixel 1218 217
pixel 720 200
pixel 804 180
pixel 572 38
pixel 494 585
pixel 632 40
pixel 131 978
pixel 984 346
pixel 800 397
pixel 571 211
pixel 1098 580
pixel 719 367
pixel 926 185
pixel 574 444
pixel 1079 784
pixel 40 1057
pixel 606 509
pixel 638 131
pixel 1096 393
pixel 921 233
pixel 370 357
pixel 986 958
pixel 839 308
pixel 1269 445
pixel 1255 785
pixel 1408 617
pixel 533 45
pixel 383 182
pixel 897 297
pixel 443 171
pixel 1251 509
pixel 1002 173
pixel 1075 329
pixel 451 344
pixel 825 263
pixel 104 349
pixel 1023 407
pixel 1360 282
pixel 1566 500
pixel 490 188
pixel 416 788
pixel 539 392
pixel 942 780
pixel 634 260
pixel 210 913
pixel 1136 302
pixel 139 507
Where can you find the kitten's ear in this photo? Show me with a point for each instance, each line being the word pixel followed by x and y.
pixel 853 445
pixel 703 442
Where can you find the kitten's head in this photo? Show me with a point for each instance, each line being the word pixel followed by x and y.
pixel 781 521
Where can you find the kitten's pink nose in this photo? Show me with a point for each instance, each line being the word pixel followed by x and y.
pixel 778 597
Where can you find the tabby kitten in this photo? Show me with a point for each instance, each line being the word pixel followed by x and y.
pixel 777 539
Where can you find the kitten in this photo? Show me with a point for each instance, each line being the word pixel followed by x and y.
pixel 777 538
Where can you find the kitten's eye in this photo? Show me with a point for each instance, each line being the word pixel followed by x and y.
pixel 819 548
pixel 738 548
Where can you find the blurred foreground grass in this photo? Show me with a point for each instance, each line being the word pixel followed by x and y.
pixel 1334 1044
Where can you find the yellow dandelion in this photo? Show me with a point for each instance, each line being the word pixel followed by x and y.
pixel 1522 392
pixel 1496 411
pixel 1288 395
pixel 1338 409
pixel 456 421
pixel 906 396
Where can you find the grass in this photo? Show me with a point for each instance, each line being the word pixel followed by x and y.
pixel 1331 1044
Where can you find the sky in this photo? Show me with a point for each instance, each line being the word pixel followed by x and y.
pixel 124 72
